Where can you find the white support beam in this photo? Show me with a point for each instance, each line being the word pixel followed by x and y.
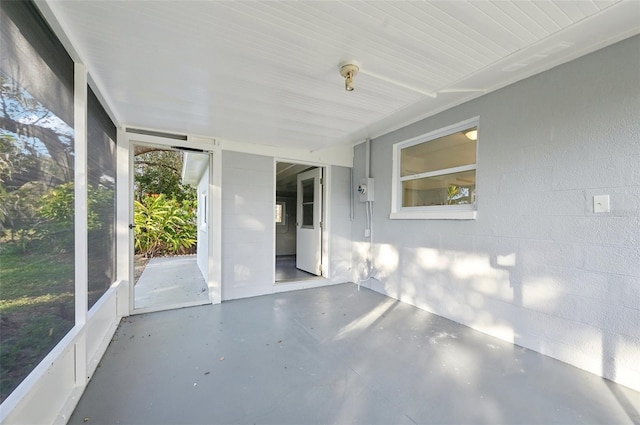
pixel 124 216
pixel 81 216
pixel 215 226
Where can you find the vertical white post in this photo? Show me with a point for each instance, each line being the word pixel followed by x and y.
pixel 124 236
pixel 214 231
pixel 81 218
pixel 326 222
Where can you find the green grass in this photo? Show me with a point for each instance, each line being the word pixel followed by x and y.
pixel 33 274
pixel 36 309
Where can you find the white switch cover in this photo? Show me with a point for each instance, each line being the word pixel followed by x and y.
pixel 601 204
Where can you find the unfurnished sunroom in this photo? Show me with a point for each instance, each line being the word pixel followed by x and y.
pixel 404 209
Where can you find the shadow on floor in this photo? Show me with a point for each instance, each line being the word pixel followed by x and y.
pixel 331 355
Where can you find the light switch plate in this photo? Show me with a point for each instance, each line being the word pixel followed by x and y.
pixel 601 204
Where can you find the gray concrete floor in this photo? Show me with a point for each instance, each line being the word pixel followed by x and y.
pixel 169 281
pixel 286 270
pixel 334 355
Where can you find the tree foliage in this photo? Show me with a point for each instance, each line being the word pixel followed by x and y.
pixel 57 214
pixel 457 195
pixel 36 159
pixel 36 233
pixel 165 209
pixel 160 171
pixel 164 226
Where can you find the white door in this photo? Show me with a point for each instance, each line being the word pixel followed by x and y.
pixel 308 223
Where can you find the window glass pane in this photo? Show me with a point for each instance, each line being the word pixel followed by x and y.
pixel 307 190
pixel 447 189
pixel 36 192
pixel 307 215
pixel 450 151
pixel 279 212
pixel 307 202
pixel 101 167
pixel 204 205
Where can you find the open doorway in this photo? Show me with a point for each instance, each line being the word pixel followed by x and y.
pixel 299 217
pixel 167 208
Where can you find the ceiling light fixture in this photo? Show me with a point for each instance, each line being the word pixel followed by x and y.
pixel 472 134
pixel 348 71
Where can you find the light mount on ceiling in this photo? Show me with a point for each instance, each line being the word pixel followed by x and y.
pixel 349 70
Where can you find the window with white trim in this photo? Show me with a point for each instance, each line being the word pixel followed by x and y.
pixel 204 210
pixel 281 214
pixel 434 175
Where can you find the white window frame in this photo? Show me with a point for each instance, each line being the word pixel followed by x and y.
pixel 436 212
pixel 283 205
pixel 204 210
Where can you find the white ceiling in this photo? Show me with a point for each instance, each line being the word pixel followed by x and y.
pixel 267 72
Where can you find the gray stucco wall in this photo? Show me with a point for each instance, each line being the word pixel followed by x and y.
pixel 538 267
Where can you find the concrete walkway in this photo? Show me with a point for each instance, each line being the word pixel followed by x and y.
pixel 334 355
pixel 171 281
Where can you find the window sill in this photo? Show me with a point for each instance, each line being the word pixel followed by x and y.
pixel 433 215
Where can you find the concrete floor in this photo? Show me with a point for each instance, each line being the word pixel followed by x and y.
pixel 286 270
pixel 171 281
pixel 334 355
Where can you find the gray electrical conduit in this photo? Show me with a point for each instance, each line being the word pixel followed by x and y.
pixel 369 212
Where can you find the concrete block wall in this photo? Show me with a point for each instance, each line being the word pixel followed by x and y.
pixel 537 267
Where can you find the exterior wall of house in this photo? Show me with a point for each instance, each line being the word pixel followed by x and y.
pixel 248 227
pixel 340 255
pixel 537 267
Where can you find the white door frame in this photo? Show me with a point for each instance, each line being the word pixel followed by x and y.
pixel 125 213
pixel 326 228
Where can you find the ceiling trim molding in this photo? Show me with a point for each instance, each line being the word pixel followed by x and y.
pixel 341 155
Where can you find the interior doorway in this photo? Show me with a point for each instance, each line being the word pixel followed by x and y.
pixel 169 209
pixel 299 220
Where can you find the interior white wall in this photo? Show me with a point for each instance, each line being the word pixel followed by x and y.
pixel 538 267
pixel 286 233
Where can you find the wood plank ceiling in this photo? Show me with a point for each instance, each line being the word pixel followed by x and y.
pixel 266 72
